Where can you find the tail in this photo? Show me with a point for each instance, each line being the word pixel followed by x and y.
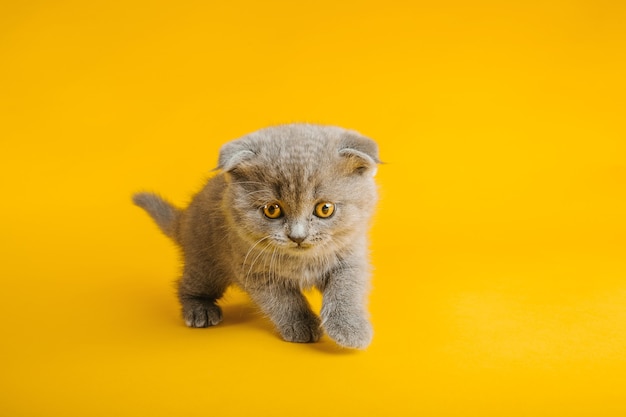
pixel 164 214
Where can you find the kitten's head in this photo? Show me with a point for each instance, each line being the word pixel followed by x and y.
pixel 301 188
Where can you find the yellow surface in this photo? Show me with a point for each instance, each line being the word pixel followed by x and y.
pixel 499 245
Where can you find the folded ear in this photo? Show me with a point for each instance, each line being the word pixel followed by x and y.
pixel 234 153
pixel 360 153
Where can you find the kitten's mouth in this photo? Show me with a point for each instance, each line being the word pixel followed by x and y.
pixel 300 247
pixel 294 247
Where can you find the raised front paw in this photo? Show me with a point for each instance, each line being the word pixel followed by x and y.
pixel 351 331
pixel 198 314
pixel 302 331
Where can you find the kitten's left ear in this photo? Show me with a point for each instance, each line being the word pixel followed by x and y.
pixel 234 153
pixel 361 153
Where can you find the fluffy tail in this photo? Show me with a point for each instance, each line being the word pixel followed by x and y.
pixel 164 214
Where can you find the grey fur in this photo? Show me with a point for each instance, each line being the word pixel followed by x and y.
pixel 164 214
pixel 226 238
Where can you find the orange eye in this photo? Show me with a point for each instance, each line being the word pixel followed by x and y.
pixel 272 211
pixel 324 210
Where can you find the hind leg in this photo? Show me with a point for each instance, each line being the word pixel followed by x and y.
pixel 198 291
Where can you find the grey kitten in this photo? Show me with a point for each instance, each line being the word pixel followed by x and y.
pixel 288 211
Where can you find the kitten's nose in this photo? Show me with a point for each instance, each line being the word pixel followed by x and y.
pixel 297 232
pixel 297 238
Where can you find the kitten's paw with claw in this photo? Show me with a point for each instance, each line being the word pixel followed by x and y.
pixel 301 331
pixel 202 315
pixel 352 332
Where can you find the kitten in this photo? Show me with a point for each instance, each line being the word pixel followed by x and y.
pixel 289 210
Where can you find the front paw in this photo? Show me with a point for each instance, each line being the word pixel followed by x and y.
pixel 302 331
pixel 201 314
pixel 351 331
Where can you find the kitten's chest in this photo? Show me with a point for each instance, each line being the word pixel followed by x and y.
pixel 305 272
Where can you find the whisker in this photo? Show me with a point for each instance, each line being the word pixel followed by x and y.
pixel 258 191
pixel 243 265
pixel 252 247
pixel 249 182
pixel 261 252
pixel 271 272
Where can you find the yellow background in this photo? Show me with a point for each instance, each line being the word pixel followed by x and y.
pixel 498 246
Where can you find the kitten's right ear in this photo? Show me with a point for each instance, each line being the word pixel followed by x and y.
pixel 233 154
pixel 360 152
